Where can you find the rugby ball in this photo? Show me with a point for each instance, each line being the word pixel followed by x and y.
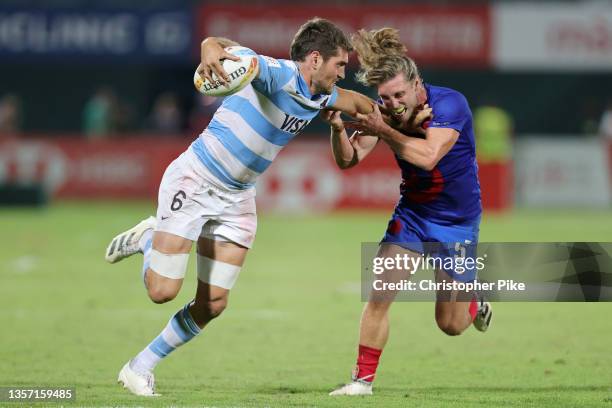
pixel 241 73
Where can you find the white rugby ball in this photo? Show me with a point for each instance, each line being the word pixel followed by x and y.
pixel 241 73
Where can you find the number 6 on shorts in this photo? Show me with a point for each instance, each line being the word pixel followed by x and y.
pixel 176 200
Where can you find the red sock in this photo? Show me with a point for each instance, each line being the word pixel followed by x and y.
pixel 367 362
pixel 473 308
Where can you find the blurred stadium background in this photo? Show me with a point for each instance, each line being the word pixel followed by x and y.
pixel 96 98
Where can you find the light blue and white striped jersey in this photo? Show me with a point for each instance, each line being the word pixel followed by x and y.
pixel 252 126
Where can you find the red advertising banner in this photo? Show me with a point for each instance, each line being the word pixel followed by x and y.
pixel 434 35
pixel 70 167
pixel 303 178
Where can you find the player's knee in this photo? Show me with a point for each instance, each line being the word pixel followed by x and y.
pixel 209 309
pixel 214 308
pixel 160 294
pixel 450 326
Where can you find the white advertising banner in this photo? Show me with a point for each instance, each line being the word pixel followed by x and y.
pixel 553 36
pixel 555 172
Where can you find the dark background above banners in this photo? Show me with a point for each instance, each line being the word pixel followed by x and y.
pixel 118 35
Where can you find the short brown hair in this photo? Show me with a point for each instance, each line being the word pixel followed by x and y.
pixel 320 35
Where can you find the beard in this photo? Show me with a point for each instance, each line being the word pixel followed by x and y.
pixel 325 87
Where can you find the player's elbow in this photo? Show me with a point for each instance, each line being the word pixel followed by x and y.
pixel 343 164
pixel 207 39
pixel 425 161
pixel 430 160
pixel 429 164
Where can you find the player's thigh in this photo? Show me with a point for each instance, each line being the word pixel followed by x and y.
pixel 234 228
pixel 171 243
pixel 184 204
pixel 180 217
pixel 224 243
pixel 167 271
pixel 222 250
pixel 453 303
pixel 450 304
pixel 399 272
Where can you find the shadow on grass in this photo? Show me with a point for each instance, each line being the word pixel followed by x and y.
pixel 277 390
pixel 286 390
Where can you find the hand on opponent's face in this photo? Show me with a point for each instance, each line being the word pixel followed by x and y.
pixel 376 122
pixel 372 123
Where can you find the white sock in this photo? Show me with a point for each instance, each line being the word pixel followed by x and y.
pixel 145 240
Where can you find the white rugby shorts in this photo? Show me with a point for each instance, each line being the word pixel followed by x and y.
pixel 191 205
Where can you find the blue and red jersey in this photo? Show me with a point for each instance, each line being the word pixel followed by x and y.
pixel 442 207
pixel 450 193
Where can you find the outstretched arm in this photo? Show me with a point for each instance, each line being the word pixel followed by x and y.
pixel 352 103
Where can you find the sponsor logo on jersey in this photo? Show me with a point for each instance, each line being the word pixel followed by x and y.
pixel 293 124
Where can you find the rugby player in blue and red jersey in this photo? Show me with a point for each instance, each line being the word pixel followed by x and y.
pixel 440 193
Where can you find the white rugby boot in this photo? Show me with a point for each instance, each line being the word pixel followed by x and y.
pixel 355 387
pixel 126 243
pixel 137 383
pixel 482 321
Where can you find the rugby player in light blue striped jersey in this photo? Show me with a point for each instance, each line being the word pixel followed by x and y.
pixel 207 194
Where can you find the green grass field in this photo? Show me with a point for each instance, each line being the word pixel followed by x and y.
pixel 288 336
